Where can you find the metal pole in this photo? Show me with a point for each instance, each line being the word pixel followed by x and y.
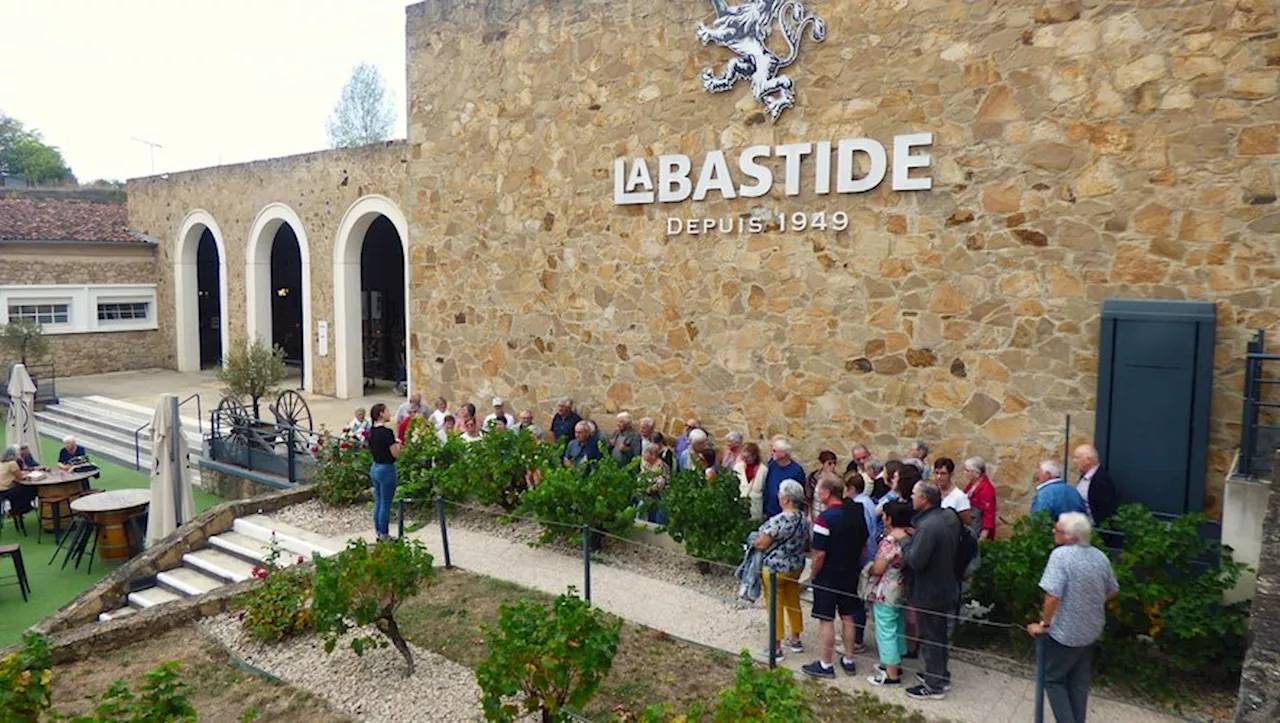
pixel 400 524
pixel 586 563
pixel 1039 714
pixel 444 532
pixel 291 455
pixel 773 619
pixel 1066 453
pixel 175 429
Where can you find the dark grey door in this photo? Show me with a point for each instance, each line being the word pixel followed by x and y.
pixel 1154 377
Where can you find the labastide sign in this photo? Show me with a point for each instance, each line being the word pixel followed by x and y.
pixel 676 182
pixel 744 30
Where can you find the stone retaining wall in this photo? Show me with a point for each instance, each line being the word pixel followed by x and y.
pixel 112 592
pixel 1259 698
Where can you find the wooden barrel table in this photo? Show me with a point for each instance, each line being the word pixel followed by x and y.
pixel 110 510
pixel 55 488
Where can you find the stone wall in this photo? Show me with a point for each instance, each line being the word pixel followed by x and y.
pixel 319 187
pixel 1259 699
pixel 1082 151
pixel 96 352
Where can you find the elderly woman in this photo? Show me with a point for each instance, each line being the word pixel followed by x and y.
pixel 19 497
pixel 982 494
pixel 783 538
pixel 733 444
pixel 691 454
pixel 751 474
pixel 656 474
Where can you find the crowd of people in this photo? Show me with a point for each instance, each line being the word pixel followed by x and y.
pixel 900 535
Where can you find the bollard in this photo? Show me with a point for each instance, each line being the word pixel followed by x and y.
pixel 586 563
pixel 773 619
pixel 1039 714
pixel 444 533
pixel 400 522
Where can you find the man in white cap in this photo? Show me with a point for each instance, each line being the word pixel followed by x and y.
pixel 500 410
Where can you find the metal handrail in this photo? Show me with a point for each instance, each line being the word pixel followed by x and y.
pixel 137 443
pixel 1253 402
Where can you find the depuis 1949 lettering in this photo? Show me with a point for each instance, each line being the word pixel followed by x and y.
pixel 795 222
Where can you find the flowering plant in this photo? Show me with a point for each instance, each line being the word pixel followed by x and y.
pixel 343 473
pixel 280 607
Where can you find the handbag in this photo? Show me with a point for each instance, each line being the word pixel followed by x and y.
pixel 865 584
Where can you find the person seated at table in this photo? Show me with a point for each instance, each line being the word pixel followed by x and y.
pixel 19 497
pixel 73 458
pixel 26 460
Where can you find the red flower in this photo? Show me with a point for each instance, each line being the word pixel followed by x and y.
pixel 344 445
pixel 300 560
pixel 258 572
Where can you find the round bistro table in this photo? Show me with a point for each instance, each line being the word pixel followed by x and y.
pixel 110 510
pixel 55 487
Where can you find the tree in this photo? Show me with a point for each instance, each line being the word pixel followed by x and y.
pixel 365 113
pixel 254 371
pixel 24 339
pixel 24 153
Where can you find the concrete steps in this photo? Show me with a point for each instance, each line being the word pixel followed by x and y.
pixel 230 558
pixel 106 428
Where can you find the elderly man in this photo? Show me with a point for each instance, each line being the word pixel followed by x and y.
pixel 408 409
pixel 877 485
pixel 526 423
pixel 733 442
pixel 499 410
pixel 1095 485
pixel 565 423
pixel 624 443
pixel 929 552
pixel 27 460
pixel 839 540
pixel 72 455
pixel 780 468
pixel 1077 582
pixel 698 443
pixel 860 455
pixel 1053 494
pixel 582 448
pixel 682 442
pixel 919 451
pixel 648 432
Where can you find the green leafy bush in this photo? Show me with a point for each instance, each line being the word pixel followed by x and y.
pixel 428 467
pixel 601 495
pixel 1169 615
pixel 342 474
pixel 1009 577
pixel 760 695
pixel 280 607
pixel 364 585
pixel 25 675
pixel 498 466
pixel 546 661
pixel 707 515
pixel 161 699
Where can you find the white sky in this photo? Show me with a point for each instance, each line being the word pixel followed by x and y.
pixel 212 81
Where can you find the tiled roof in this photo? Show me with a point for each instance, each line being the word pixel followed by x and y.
pixel 27 219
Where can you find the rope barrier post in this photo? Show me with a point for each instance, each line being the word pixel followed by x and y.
pixel 586 563
pixel 773 619
pixel 444 532
pixel 1039 714
pixel 400 520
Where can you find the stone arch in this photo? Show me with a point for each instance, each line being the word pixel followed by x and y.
pixel 257 277
pixel 347 337
pixel 186 289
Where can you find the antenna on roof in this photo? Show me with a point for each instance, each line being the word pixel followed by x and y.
pixel 153 146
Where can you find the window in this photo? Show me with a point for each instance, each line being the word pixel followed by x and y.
pixel 112 311
pixel 41 313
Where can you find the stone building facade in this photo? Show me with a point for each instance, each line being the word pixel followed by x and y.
pixel 1079 151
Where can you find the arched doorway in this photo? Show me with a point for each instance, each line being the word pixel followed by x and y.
pixel 209 304
pixel 382 294
pixel 370 255
pixel 278 286
pixel 200 293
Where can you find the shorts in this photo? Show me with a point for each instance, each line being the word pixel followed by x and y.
pixel 830 599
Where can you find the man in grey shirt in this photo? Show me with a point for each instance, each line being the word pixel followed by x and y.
pixel 1077 582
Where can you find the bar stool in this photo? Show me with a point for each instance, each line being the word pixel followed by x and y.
pixel 23 584
pixel 56 503
pixel 19 519
pixel 74 540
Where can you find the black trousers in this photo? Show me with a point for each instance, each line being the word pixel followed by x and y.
pixel 932 627
pixel 1066 679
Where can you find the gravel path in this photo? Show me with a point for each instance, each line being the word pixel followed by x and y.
pixel 371 687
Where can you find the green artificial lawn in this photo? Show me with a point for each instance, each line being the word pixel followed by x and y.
pixel 51 586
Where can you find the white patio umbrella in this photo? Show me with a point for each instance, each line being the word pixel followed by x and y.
pixel 171 503
pixel 20 428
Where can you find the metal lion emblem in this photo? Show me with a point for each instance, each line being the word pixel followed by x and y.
pixel 744 30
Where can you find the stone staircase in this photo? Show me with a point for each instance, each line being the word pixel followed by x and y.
pixel 105 428
pixel 229 558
